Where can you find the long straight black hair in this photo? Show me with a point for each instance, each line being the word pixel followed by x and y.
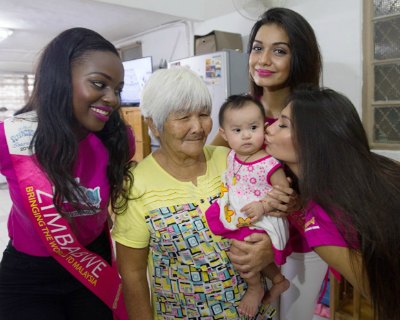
pixel 358 188
pixel 54 141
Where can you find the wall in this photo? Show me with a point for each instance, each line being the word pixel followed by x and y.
pixel 168 42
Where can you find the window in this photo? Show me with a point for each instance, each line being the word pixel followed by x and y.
pixel 381 93
pixel 15 90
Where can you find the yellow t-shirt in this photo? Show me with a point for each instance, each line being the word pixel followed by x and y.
pixel 190 273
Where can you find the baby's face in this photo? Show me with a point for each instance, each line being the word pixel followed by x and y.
pixel 243 129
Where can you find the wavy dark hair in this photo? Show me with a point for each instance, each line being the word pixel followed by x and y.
pixel 306 62
pixel 54 141
pixel 338 171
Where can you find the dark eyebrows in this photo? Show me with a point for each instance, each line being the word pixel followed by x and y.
pixel 274 44
pixel 281 43
pixel 105 75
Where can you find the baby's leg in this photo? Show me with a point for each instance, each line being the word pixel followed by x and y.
pixel 279 283
pixel 254 294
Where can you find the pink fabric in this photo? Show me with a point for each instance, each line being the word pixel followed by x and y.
pixel 322 311
pixel 243 183
pixel 53 230
pixel 255 172
pixel 90 169
pixel 270 120
pixel 297 241
pixel 131 142
pixel 320 230
pixel 216 227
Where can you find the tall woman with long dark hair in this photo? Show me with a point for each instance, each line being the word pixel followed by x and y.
pixel 66 156
pixel 351 195
pixel 284 53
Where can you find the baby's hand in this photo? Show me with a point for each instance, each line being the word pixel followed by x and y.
pixel 267 207
pixel 254 210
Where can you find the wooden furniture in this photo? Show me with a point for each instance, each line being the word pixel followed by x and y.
pixel 347 303
pixel 134 118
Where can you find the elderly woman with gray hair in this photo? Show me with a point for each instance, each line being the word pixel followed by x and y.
pixel 164 245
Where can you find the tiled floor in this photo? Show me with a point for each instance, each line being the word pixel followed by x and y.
pixel 5 204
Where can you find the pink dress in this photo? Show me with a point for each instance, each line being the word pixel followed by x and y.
pixel 243 183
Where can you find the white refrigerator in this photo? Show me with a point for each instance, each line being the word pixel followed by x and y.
pixel 224 72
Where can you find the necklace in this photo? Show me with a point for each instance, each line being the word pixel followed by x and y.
pixel 237 171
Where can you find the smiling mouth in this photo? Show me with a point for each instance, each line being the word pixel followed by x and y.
pixel 101 111
pixel 264 73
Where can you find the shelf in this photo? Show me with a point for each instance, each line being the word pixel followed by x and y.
pixel 346 303
pixel 134 119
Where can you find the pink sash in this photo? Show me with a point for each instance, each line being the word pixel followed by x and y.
pixel 54 230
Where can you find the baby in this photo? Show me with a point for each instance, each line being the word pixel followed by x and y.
pixel 241 210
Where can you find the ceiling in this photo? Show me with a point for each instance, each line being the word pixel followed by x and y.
pixel 36 22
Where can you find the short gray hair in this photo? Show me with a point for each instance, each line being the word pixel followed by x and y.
pixel 177 89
